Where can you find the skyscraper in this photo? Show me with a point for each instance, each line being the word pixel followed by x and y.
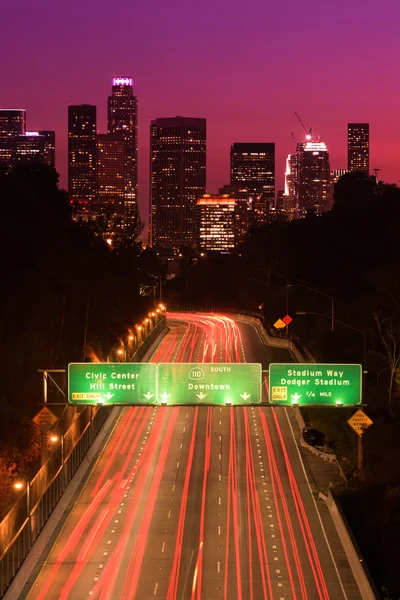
pixel 337 174
pixel 358 147
pixel 82 153
pixel 290 196
pixel 35 147
pixel 253 166
pixel 177 179
pixel 216 222
pixel 314 178
pixel 243 210
pixel 29 147
pixel 123 120
pixel 12 122
pixel 110 174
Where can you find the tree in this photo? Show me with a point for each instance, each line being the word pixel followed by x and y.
pixel 389 333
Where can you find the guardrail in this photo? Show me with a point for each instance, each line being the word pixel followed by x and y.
pixel 360 571
pixel 22 525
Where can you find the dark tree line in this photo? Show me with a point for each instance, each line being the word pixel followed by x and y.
pixel 64 295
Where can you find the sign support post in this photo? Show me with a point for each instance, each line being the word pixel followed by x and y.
pixel 359 452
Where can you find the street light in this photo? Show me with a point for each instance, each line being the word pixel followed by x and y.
pixel 302 312
pixel 18 485
pixel 122 352
pixel 54 438
pixel 288 285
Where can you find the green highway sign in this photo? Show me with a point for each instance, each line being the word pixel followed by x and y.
pixel 112 383
pixel 320 384
pixel 209 383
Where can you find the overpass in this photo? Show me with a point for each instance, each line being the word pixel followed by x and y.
pixel 198 502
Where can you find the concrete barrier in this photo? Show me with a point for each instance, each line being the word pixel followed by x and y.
pixel 360 572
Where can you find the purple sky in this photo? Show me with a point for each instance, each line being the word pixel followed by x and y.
pixel 245 66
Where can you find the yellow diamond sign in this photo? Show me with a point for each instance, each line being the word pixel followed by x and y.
pixel 279 324
pixel 360 422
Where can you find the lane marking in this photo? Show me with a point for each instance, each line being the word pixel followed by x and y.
pixel 316 507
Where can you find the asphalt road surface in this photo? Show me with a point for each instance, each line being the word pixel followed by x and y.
pixel 197 502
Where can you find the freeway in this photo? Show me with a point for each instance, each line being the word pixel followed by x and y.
pixel 197 502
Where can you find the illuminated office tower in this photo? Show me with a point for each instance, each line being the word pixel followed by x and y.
pixel 123 120
pixel 358 147
pixel 177 179
pixel 337 174
pixel 216 223
pixel 290 195
pixel 253 166
pixel 12 122
pixel 243 210
pixel 110 175
pixel 82 154
pixel 31 147
pixel 314 178
pixel 35 147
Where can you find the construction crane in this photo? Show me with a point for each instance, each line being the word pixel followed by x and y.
pixel 308 132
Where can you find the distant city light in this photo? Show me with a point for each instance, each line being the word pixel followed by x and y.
pixel 122 81
pixel 35 133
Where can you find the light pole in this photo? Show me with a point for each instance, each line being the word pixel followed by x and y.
pixel 18 485
pixel 54 438
pixel 121 352
pixel 302 312
pixel 288 285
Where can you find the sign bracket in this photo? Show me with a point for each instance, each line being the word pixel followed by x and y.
pixel 45 376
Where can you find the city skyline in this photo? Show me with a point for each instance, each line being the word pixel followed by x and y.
pixel 242 99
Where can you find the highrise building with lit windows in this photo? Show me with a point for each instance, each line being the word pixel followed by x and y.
pixel 35 147
pixel 337 174
pixel 253 166
pixel 30 147
pixel 177 179
pixel 216 223
pixel 358 147
pixel 123 120
pixel 12 122
pixel 110 175
pixel 243 210
pixel 314 178
pixel 82 176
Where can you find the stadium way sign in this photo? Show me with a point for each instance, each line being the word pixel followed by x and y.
pixel 315 384
pixel 209 383
pixel 112 383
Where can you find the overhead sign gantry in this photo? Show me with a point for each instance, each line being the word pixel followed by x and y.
pixel 237 384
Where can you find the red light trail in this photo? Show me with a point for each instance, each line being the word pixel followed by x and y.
pixel 220 473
